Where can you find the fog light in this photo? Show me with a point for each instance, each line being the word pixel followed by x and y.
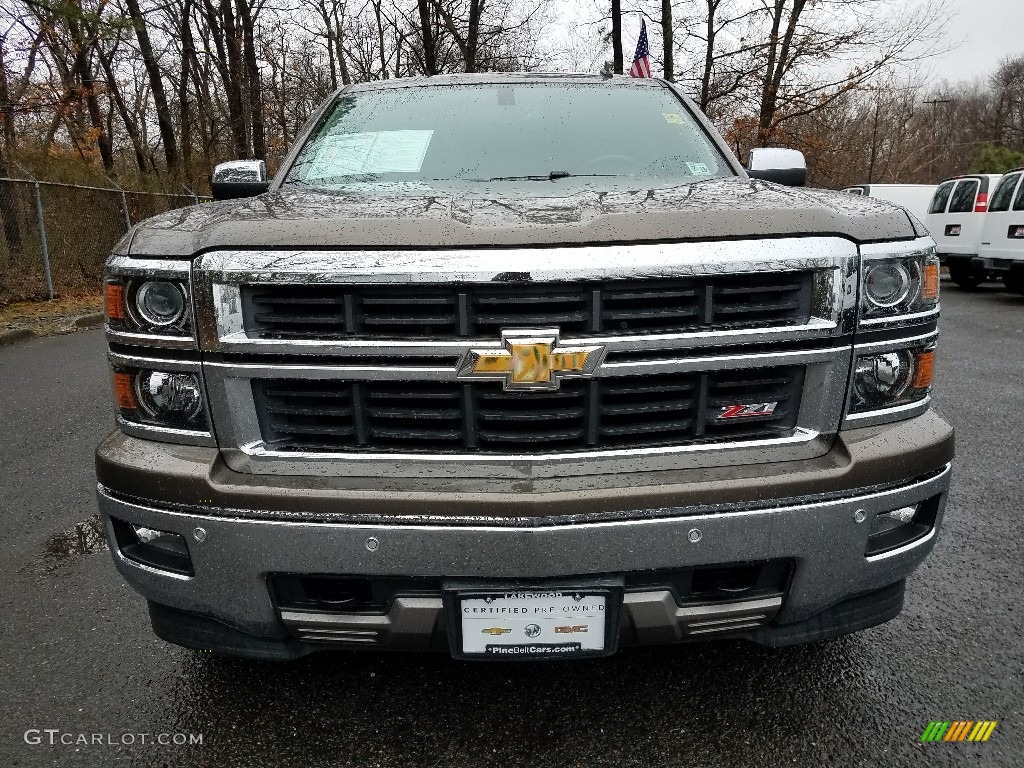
pixel 160 303
pixel 899 527
pixel 170 397
pixel 887 284
pixel 890 521
pixel 163 550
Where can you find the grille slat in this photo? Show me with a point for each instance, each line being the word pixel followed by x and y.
pixel 541 416
pixel 483 309
pixel 480 417
pixel 751 308
pixel 306 319
pixel 554 435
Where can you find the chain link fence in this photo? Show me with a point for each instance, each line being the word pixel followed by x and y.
pixel 55 237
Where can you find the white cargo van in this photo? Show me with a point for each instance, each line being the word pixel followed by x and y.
pixel 955 220
pixel 1001 250
pixel 916 198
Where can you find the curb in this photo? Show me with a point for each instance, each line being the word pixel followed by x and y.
pixel 87 321
pixel 16 335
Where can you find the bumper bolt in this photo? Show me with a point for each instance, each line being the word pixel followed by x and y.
pixel 372 544
pixel 860 516
pixel 694 535
pixel 200 534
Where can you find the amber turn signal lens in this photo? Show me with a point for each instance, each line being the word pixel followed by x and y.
pixel 114 301
pixel 924 369
pixel 930 285
pixel 124 391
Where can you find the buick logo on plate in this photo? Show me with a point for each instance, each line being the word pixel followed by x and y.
pixel 532 630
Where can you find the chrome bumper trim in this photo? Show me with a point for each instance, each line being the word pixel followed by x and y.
pixel 217 277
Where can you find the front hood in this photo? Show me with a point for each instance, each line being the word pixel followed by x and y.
pixel 296 218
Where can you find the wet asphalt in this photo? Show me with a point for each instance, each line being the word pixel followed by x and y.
pixel 77 656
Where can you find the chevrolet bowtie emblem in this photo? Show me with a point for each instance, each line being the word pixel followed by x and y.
pixel 495 631
pixel 530 361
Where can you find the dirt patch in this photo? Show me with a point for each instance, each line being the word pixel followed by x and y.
pixel 46 318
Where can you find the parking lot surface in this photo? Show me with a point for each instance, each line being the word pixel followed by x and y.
pixel 77 657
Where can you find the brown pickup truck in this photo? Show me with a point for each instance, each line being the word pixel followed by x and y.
pixel 520 366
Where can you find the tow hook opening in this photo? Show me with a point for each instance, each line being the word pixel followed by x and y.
pixel 163 550
pixel 900 527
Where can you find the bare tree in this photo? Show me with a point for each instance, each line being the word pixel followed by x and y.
pixel 156 83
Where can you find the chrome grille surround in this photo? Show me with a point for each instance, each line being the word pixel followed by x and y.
pixel 822 346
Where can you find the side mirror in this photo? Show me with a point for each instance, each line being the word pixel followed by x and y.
pixel 783 166
pixel 239 178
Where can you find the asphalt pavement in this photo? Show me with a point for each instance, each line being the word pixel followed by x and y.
pixel 78 661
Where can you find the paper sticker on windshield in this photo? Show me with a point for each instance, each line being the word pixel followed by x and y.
pixel 348 154
pixel 699 169
pixel 673 117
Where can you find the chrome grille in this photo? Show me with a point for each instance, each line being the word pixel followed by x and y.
pixel 626 412
pixel 319 311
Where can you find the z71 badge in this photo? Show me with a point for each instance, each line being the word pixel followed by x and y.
pixel 745 410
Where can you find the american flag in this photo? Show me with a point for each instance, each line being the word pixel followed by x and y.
pixel 642 58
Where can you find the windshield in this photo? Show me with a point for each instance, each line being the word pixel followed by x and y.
pixel 527 133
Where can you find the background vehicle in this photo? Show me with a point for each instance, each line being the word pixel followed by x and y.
pixel 916 198
pixel 955 219
pixel 1002 241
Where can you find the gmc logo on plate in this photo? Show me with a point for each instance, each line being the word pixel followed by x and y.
pixel 746 410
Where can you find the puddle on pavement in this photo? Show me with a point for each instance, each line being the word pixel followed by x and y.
pixel 83 538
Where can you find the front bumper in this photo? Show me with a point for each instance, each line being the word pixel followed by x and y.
pixel 822 533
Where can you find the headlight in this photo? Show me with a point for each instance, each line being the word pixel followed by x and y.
pixel 887 284
pixel 160 303
pixel 160 398
pixel 170 397
pixel 159 306
pixel 890 379
pixel 894 286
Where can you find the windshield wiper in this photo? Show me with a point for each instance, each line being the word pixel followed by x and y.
pixel 552 176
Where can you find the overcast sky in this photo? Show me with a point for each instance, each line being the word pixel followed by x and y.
pixel 979 32
pixel 987 30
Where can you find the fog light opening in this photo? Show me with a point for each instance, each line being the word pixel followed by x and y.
pixel 163 550
pixel 899 527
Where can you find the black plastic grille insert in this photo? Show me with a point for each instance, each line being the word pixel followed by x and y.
pixel 484 309
pixel 480 417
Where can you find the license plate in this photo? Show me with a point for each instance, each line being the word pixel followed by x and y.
pixel 953 230
pixel 1016 232
pixel 542 623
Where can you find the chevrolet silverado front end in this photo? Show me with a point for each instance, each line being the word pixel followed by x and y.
pixel 394 410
